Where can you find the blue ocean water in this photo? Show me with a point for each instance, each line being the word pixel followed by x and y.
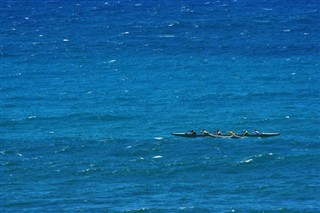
pixel 91 90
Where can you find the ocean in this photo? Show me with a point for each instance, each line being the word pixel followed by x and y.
pixel 92 90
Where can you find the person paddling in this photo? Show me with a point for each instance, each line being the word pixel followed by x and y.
pixel 218 132
pixel 193 132
pixel 230 132
pixel 245 132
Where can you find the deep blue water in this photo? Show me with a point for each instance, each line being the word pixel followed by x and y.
pixel 91 90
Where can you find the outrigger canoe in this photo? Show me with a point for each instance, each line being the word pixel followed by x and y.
pixel 208 134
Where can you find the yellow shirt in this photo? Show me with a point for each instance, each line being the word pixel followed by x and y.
pixel 230 132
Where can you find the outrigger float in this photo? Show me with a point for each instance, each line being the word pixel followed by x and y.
pixel 192 134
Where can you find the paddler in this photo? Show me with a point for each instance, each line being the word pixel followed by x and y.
pixel 245 132
pixel 230 132
pixel 256 132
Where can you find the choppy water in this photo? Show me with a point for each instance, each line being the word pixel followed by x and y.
pixel 90 92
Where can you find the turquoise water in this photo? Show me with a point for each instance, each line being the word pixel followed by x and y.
pixel 90 92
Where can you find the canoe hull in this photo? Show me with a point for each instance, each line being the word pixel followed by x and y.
pixel 261 135
pixel 187 135
pixel 207 134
